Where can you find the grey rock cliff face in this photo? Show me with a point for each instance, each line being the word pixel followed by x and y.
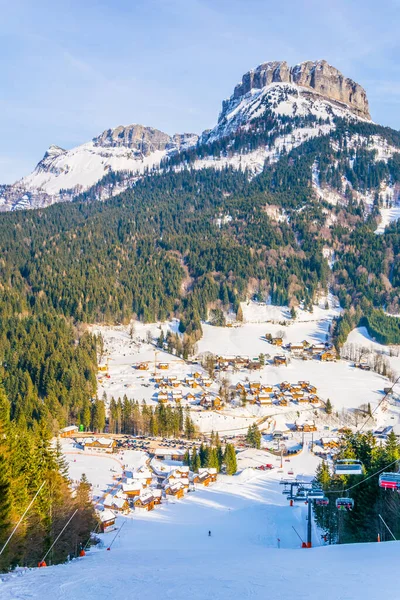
pixel 141 139
pixel 318 76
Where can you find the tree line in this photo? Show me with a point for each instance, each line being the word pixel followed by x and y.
pixel 362 524
pixel 28 460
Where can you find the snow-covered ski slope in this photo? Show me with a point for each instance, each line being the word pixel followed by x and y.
pixel 168 554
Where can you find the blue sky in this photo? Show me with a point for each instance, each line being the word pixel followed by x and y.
pixel 70 69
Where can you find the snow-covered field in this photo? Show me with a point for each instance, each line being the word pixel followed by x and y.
pixel 345 386
pixel 253 552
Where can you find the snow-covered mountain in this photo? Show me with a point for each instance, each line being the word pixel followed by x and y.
pixel 291 104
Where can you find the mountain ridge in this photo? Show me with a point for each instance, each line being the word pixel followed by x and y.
pixel 301 101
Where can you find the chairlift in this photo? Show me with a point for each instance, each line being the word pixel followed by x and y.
pixel 348 466
pixel 316 494
pixel 286 492
pixel 389 481
pixel 345 503
pixel 322 501
pixel 301 495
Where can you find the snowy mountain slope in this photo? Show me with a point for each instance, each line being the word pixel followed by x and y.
pixel 168 554
pixel 283 99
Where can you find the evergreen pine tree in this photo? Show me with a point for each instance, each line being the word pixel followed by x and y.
pixel 328 407
pixel 230 459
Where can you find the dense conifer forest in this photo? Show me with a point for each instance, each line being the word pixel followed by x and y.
pixel 363 523
pixel 164 248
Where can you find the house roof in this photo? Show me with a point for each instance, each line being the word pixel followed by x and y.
pixel 106 515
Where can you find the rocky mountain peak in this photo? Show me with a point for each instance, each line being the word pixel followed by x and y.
pixel 317 76
pixel 139 138
pixel 142 140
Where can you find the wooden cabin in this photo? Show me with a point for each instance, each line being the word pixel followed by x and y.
pixel 190 396
pixel 202 479
pixel 176 490
pixel 69 431
pixel 102 443
pixel 145 501
pixel 116 503
pixel 143 366
pixel 277 341
pixel 216 403
pixel 157 495
pixel 313 399
pixel 279 360
pixel 267 389
pixel 132 490
pixel 264 399
pixel 328 356
pixel 107 519
pixel 304 385
pixel 163 366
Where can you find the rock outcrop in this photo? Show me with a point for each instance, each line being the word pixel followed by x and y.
pixel 143 140
pixel 318 76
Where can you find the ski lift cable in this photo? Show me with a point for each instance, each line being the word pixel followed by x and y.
pixel 22 518
pixel 59 535
pixel 364 480
pixel 378 405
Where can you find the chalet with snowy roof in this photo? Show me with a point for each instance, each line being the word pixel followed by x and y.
pixel 169 454
pixel 203 477
pixel 305 425
pixel 163 366
pixel 157 495
pixel 107 519
pixel 266 389
pixel 175 489
pixel 101 443
pixel 206 402
pixel 162 397
pixel 264 399
pixel 279 360
pixel 329 356
pixel 304 384
pixel 116 503
pixel 69 431
pixel 295 349
pixel 331 443
pixel 212 472
pixel 313 398
pixel 145 501
pixel 132 489
pixel 144 366
pixel 216 403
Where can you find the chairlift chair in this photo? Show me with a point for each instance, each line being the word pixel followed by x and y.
pixel 348 466
pixel 322 501
pixel 316 494
pixel 345 503
pixel 301 496
pixel 389 481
